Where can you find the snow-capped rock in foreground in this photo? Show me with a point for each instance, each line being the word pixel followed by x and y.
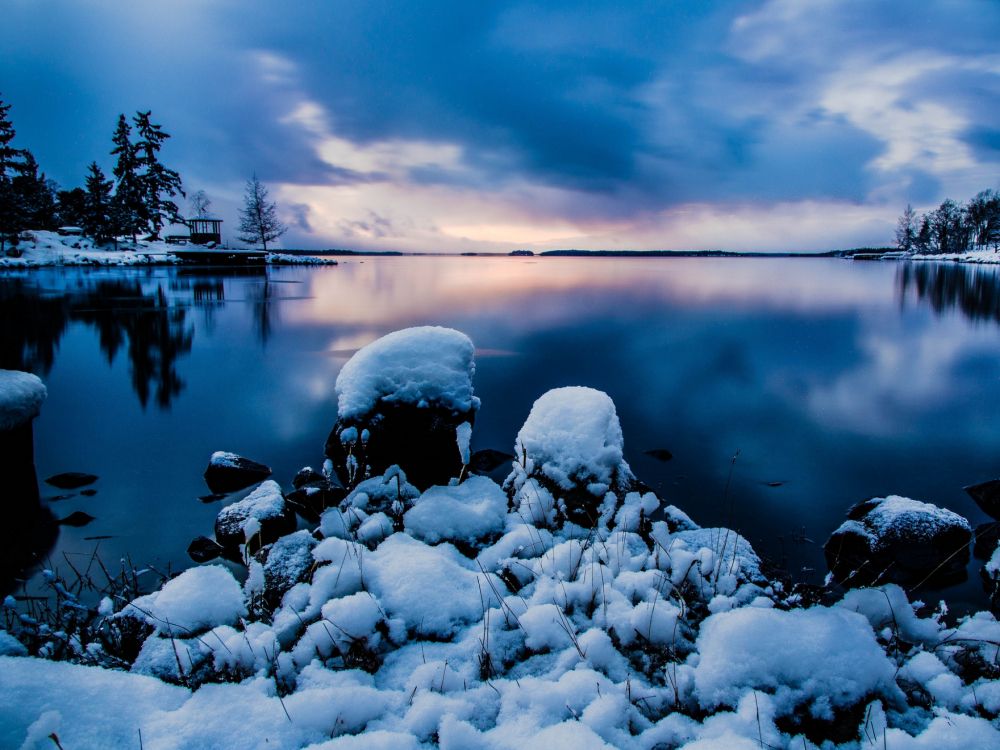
pixel 569 464
pixel 407 400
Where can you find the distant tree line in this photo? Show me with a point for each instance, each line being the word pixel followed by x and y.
pixel 952 227
pixel 137 201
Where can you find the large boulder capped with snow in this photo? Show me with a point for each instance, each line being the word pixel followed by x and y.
pixel 21 397
pixel 569 463
pixel 406 399
pixel 30 528
pixel 899 540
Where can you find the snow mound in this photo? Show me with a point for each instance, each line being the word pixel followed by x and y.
pixel 431 588
pixel 824 657
pixel 475 509
pixel 421 366
pixel 21 397
pixel 572 436
pixel 197 599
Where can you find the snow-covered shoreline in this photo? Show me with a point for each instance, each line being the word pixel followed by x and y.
pixel 52 249
pixel 569 607
pixel 979 256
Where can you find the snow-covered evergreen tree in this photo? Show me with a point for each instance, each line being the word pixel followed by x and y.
pixel 259 221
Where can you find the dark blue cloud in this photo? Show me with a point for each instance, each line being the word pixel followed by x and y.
pixel 632 108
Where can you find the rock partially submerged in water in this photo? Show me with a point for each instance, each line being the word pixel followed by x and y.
pixel 987 497
pixel 228 472
pixel 71 480
pixel 260 518
pixel 569 464
pixel 900 540
pixel 21 397
pixel 407 400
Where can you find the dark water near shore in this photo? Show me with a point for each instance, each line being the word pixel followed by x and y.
pixel 841 380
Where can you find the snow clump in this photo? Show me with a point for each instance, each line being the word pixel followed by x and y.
pixel 397 369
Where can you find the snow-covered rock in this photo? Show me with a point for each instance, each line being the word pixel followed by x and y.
pixel 228 472
pixel 21 397
pixel 823 658
pixel 405 399
pixel 569 463
pixel 258 519
pixel 196 600
pixel 897 539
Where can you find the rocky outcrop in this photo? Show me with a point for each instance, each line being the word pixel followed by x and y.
pixel 899 540
pixel 405 400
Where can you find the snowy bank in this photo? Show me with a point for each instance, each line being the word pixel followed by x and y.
pixel 52 249
pixel 977 256
pixel 466 615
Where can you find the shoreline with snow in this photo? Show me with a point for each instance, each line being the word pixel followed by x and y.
pixel 416 605
pixel 50 249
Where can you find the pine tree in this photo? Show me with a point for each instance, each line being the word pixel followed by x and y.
pixel 129 207
pixel 97 222
pixel 159 184
pixel 35 196
pixel 259 218
pixel 11 166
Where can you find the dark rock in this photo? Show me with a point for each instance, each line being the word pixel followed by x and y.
pixel 76 519
pixel 488 459
pixel 307 475
pixel 88 493
pixel 214 497
pixel 228 472
pixel 899 540
pixel 202 549
pixel 260 518
pixel 71 480
pixel 311 500
pixel 660 454
pixel 422 440
pixel 987 540
pixel 987 497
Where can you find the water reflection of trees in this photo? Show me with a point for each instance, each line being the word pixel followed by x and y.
pixel 145 317
pixel 972 289
pixel 154 332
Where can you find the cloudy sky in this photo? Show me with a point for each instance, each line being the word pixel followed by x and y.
pixel 443 125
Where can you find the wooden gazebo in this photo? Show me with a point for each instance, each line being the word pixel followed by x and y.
pixel 205 230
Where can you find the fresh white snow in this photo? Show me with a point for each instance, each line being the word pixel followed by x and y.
pixel 397 368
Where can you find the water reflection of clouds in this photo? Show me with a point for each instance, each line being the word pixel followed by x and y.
pixel 393 292
pixel 909 371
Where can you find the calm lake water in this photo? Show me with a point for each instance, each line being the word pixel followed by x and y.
pixel 841 380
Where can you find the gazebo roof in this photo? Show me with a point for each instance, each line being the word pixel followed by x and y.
pixel 204 217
